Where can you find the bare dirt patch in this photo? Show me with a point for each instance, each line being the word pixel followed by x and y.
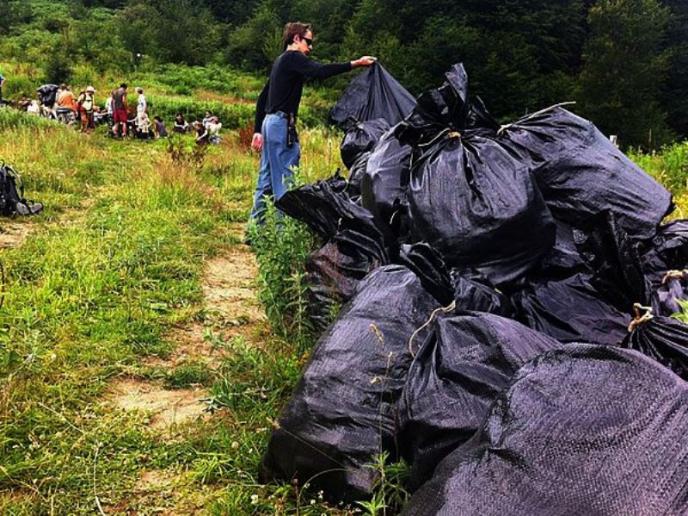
pixel 231 309
pixel 156 480
pixel 13 234
pixel 228 286
pixel 167 408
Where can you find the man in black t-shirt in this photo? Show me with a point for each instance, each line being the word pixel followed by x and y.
pixel 277 110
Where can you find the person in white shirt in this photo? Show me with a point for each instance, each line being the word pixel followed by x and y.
pixel 141 107
pixel 213 126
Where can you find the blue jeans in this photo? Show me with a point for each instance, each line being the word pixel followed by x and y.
pixel 276 163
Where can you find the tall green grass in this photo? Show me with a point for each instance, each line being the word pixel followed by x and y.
pixel 669 166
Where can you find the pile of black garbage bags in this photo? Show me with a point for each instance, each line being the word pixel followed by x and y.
pixel 505 329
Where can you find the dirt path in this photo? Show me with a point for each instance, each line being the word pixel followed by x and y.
pixel 13 234
pixel 230 310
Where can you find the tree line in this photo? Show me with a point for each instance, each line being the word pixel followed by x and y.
pixel 625 62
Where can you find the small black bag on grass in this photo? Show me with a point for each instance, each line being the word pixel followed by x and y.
pixel 465 362
pixel 663 339
pixel 581 173
pixel 469 197
pixel 12 200
pixel 570 310
pixel 373 94
pixel 581 430
pixel 343 411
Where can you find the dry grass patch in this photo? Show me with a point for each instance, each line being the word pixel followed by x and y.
pixel 13 234
pixel 166 408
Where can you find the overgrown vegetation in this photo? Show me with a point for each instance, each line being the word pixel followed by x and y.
pixel 111 265
pixel 115 261
pixel 282 245
pixel 521 56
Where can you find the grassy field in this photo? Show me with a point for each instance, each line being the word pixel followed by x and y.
pixel 110 290
pixel 138 370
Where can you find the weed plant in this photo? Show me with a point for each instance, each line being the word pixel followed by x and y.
pixel 282 246
pixel 12 119
pixel 670 166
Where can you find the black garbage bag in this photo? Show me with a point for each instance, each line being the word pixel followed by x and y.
pixel 581 430
pixel 373 94
pixel 469 196
pixel 473 292
pixel 448 107
pixel 356 173
pixel 360 138
pixel 427 264
pixel 467 290
pixel 663 339
pixel 334 272
pixel 614 257
pixel 326 208
pixel 668 250
pixel 564 259
pixel 465 362
pixel 12 200
pixel 47 94
pixel 384 185
pixel 570 310
pixel 343 411
pixel 581 173
pixel 478 206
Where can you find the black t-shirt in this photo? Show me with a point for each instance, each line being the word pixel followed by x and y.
pixel 283 90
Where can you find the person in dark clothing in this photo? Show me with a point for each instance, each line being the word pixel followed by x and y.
pixel 159 127
pixel 120 109
pixel 277 110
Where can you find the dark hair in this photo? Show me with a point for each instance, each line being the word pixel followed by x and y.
pixel 123 85
pixel 292 29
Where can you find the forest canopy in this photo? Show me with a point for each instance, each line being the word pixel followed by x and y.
pixel 625 62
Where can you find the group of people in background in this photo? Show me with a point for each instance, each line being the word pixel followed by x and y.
pixel 60 103
pixel 207 131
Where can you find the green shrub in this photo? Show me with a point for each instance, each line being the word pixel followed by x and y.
pixel 232 116
pixel 282 245
pixel 58 68
pixel 11 118
pixel 670 166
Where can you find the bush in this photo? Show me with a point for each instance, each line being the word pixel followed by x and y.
pixel 232 116
pixel 57 68
pixel 282 245
pixel 12 118
pixel 670 166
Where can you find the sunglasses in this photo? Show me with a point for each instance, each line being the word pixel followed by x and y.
pixel 308 41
